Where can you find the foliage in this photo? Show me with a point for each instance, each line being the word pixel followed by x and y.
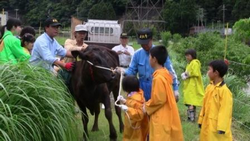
pixel 179 16
pixel 176 37
pixel 166 37
pixel 242 30
pixel 211 46
pixel 34 106
pixel 102 10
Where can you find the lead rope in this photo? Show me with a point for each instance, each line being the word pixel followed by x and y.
pixel 119 105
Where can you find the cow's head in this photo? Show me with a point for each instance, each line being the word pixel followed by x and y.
pixel 98 62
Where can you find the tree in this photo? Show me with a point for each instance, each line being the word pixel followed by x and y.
pixel 242 30
pixel 180 15
pixel 102 10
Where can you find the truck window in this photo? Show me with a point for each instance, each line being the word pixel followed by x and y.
pixel 95 30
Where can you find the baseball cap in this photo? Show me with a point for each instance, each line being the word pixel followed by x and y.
pixel 81 27
pixel 52 22
pixel 124 35
pixel 144 35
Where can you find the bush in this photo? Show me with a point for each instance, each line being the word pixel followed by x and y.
pixel 242 30
pixel 34 106
pixel 176 37
pixel 166 37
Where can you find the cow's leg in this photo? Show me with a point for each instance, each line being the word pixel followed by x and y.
pixel 97 112
pixel 108 115
pixel 118 109
pixel 85 120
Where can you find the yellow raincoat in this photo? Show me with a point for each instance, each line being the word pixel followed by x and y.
pixel 193 89
pixel 164 123
pixel 137 130
pixel 216 113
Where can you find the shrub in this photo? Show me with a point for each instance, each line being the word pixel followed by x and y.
pixel 34 106
pixel 166 37
pixel 242 30
pixel 176 37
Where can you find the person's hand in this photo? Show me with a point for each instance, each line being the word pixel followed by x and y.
pixel 119 52
pixel 126 52
pixel 120 70
pixel 144 109
pixel 124 108
pixel 69 66
pixel 184 76
pixel 121 99
pixel 176 95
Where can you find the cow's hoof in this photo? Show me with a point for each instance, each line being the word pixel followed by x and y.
pixel 95 129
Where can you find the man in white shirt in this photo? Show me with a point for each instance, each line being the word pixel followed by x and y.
pixel 124 51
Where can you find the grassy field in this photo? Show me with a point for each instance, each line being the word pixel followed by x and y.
pixel 190 130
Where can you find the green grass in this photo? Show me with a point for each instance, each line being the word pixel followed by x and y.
pixel 190 130
pixel 34 105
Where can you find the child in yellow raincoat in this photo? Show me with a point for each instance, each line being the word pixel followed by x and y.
pixel 193 88
pixel 164 123
pixel 216 114
pixel 135 122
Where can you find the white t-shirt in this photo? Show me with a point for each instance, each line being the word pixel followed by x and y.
pixel 123 58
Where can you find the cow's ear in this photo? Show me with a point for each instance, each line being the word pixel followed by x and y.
pixel 78 55
pixel 75 53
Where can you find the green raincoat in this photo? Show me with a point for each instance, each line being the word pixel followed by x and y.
pixel 193 89
pixel 12 50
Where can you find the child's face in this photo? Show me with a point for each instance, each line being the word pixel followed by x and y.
pixel 152 61
pixel 189 57
pixel 211 73
pixel 29 45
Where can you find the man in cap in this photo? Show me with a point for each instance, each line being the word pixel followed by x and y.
pixel 124 51
pixel 140 64
pixel 80 34
pixel 46 48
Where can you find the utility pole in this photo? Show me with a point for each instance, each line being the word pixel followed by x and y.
pixel 16 12
pixel 223 9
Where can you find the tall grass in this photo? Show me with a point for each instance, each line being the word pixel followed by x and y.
pixel 34 106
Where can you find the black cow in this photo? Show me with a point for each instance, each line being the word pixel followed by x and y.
pixel 91 83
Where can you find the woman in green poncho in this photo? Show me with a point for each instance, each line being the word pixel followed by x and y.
pixel 10 46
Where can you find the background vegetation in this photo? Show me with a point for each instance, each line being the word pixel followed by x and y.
pixel 179 15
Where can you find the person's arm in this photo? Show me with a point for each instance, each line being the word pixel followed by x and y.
pixel 193 70
pixel 133 66
pixel 169 66
pixel 135 111
pixel 18 51
pixel 158 97
pixel 225 110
